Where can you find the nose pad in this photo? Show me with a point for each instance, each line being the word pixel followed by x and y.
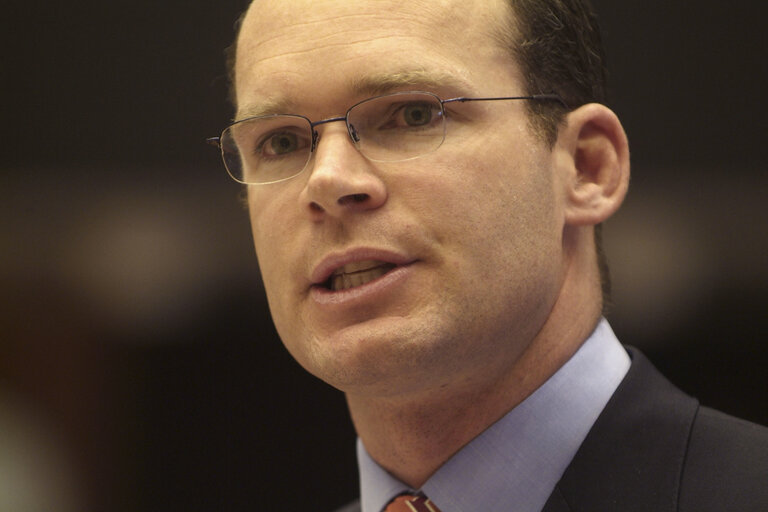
pixel 353 133
pixel 315 138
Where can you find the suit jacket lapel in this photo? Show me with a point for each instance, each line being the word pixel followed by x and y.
pixel 632 458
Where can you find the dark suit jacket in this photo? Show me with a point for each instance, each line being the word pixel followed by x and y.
pixel 654 449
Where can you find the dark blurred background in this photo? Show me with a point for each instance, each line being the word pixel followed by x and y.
pixel 139 369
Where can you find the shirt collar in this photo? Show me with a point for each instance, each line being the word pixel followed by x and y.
pixel 516 462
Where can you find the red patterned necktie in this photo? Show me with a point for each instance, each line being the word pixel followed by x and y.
pixel 407 503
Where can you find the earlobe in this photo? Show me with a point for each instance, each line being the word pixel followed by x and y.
pixel 597 174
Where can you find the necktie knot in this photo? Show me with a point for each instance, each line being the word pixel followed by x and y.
pixel 408 503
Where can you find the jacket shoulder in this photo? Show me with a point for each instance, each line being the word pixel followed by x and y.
pixel 637 445
pixel 661 451
pixel 726 466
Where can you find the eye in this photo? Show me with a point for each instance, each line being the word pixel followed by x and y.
pixel 409 115
pixel 417 114
pixel 280 144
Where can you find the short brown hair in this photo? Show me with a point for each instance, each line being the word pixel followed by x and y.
pixel 558 47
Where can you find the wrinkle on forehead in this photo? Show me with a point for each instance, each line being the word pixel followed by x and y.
pixel 281 38
pixel 325 36
pixel 365 86
pixel 314 14
pixel 325 24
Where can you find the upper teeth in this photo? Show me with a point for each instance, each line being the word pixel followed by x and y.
pixel 357 273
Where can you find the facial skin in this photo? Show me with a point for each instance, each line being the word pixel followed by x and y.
pixel 476 228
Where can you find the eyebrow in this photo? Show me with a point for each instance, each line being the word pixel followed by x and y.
pixel 411 78
pixel 266 107
pixel 366 86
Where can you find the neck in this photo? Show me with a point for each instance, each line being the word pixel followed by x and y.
pixel 411 437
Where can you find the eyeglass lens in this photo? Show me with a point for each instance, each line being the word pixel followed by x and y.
pixel 393 127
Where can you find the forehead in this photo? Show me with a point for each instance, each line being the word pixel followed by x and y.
pixel 289 50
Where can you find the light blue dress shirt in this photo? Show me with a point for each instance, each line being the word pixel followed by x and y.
pixel 515 464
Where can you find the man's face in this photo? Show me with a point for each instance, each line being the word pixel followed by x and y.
pixel 468 238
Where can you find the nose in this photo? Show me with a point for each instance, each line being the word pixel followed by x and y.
pixel 341 180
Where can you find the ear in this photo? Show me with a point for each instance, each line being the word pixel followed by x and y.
pixel 595 159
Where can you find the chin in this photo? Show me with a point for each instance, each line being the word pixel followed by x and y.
pixel 380 355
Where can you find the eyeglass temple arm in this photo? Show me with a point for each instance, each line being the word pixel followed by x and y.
pixel 537 97
pixel 214 141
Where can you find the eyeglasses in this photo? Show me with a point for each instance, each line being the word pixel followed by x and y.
pixel 389 128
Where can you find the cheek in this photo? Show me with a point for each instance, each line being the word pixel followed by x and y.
pixel 270 253
pixel 273 224
pixel 272 241
pixel 264 212
pixel 506 188
pixel 263 241
pixel 498 212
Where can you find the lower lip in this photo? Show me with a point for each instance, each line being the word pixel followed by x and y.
pixel 362 293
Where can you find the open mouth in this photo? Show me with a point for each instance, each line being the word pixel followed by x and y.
pixel 356 274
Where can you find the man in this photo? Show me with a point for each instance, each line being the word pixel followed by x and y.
pixel 425 185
